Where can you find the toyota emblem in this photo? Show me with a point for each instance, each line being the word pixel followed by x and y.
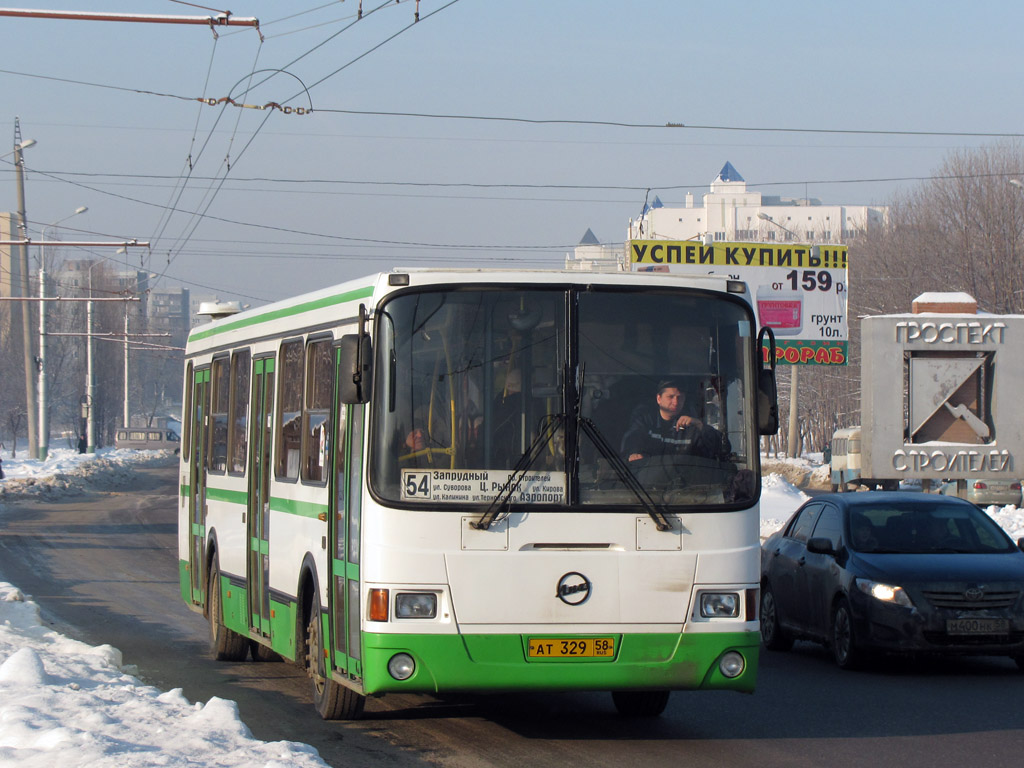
pixel 974 593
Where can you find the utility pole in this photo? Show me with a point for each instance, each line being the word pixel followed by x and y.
pixel 90 385
pixel 26 314
pixel 794 422
pixel 127 415
pixel 44 415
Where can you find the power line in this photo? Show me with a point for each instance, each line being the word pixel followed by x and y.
pixel 668 125
pixel 59 175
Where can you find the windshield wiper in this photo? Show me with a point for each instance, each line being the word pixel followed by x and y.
pixel 504 497
pixel 625 475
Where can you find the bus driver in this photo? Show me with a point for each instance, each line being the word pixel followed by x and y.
pixel 665 430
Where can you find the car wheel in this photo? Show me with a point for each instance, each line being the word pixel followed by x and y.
pixel 774 637
pixel 225 644
pixel 332 700
pixel 640 703
pixel 845 651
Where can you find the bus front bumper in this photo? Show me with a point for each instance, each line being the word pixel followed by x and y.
pixel 500 663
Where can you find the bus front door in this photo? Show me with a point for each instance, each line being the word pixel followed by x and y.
pixel 345 514
pixel 197 483
pixel 258 527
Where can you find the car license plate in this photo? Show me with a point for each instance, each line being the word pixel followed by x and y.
pixel 978 626
pixel 571 647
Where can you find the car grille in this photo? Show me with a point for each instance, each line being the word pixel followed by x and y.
pixel 959 601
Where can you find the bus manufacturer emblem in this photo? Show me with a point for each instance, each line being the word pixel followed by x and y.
pixel 573 588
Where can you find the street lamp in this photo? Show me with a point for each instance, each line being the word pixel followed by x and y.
pixel 765 217
pixel 44 417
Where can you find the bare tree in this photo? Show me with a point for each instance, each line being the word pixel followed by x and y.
pixel 962 230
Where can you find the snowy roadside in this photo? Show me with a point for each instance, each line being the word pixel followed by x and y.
pixel 66 703
pixel 63 702
pixel 69 473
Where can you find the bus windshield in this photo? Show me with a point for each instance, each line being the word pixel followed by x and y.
pixel 584 398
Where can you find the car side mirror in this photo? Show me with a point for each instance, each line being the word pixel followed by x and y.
pixel 1020 544
pixel 820 546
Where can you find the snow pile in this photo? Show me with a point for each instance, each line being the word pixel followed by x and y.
pixel 779 499
pixel 68 473
pixel 1011 519
pixel 66 703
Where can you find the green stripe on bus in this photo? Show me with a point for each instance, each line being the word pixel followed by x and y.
pixel 277 314
pixel 498 663
pixel 298 508
pixel 222 494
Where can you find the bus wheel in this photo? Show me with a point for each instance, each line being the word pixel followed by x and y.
pixel 225 644
pixel 640 703
pixel 332 700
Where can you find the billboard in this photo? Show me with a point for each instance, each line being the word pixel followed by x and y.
pixel 798 290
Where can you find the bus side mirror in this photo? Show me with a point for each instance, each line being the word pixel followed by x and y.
pixel 767 390
pixel 355 368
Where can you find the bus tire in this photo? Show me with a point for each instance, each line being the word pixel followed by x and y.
pixel 225 644
pixel 640 703
pixel 332 700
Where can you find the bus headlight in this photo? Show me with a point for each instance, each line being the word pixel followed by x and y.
pixel 401 666
pixel 415 605
pixel 719 605
pixel 732 664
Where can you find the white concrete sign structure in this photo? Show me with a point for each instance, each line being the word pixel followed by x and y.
pixel 958 412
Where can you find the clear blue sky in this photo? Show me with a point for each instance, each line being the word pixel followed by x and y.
pixel 329 196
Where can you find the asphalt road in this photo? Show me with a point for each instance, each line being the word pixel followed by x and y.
pixel 103 569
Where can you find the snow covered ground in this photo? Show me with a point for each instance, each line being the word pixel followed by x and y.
pixel 66 703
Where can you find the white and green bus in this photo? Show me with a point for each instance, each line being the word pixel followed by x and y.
pixel 416 482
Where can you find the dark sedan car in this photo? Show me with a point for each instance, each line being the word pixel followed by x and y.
pixel 897 572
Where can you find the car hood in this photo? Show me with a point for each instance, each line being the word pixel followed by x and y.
pixel 944 567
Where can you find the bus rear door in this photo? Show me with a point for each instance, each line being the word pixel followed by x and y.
pixel 260 467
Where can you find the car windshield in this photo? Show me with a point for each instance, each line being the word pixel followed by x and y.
pixel 916 527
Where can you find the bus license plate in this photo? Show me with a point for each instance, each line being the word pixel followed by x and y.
pixel 571 647
pixel 978 626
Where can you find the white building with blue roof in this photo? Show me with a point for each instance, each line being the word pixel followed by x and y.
pixel 731 212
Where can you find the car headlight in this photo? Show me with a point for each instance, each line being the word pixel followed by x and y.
pixel 886 593
pixel 719 605
pixel 415 605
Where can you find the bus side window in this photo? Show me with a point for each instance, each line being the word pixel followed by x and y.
pixel 218 458
pixel 289 430
pixel 316 416
pixel 239 409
